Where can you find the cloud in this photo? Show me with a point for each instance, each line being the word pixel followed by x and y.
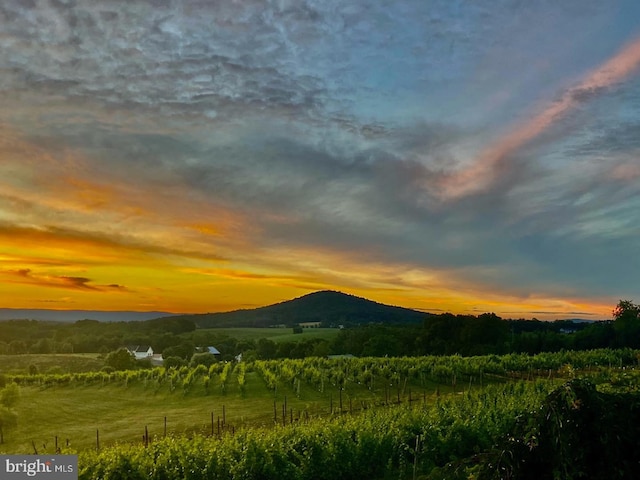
pixel 480 148
pixel 626 172
pixel 95 246
pixel 136 56
pixel 495 160
pixel 31 260
pixel 28 277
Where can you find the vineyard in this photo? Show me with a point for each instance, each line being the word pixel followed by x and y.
pixel 326 418
pixel 341 372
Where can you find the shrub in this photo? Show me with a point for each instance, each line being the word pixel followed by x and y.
pixel 205 359
pixel 174 362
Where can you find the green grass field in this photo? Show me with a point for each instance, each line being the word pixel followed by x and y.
pixel 58 363
pixel 120 405
pixel 120 413
pixel 277 334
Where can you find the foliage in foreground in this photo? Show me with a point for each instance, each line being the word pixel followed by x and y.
pixel 376 444
pixel 578 433
pixel 524 430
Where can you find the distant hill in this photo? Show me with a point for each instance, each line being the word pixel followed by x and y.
pixel 75 315
pixel 329 307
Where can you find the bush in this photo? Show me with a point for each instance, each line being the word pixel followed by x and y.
pixel 205 359
pixel 173 362
pixel 144 363
pixel 578 433
pixel 121 359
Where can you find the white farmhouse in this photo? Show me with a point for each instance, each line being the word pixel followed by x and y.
pixel 141 351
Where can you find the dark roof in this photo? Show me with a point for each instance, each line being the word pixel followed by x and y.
pixel 138 348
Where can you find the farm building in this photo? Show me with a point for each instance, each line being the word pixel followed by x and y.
pixel 140 351
pixel 310 324
pixel 211 350
pixel 157 360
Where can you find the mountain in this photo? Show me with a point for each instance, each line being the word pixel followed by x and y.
pixel 74 315
pixel 329 307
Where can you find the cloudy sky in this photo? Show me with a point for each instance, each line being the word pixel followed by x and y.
pixel 200 156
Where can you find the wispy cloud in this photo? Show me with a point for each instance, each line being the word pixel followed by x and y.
pixel 459 156
pixel 96 247
pixel 28 277
pixel 495 160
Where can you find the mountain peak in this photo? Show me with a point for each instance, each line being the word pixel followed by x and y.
pixel 327 306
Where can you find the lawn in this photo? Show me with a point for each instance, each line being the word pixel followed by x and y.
pixel 277 334
pixel 58 363
pixel 76 413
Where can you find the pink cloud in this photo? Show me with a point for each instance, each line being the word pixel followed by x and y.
pixel 489 165
pixel 626 172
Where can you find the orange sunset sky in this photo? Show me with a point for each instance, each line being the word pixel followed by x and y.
pixel 191 157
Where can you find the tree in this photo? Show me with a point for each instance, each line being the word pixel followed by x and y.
pixel 596 335
pixel 266 349
pixel 627 324
pixel 381 345
pixel 8 418
pixel 121 359
pixel 185 350
pixel 284 349
pixel 626 308
pixel 17 347
pixel 207 359
pixel 173 362
pixel 320 349
pixel 64 347
pixel 9 395
pixel 44 345
pixel 482 335
pixel 441 334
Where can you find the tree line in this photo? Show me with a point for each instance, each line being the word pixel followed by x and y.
pixel 467 335
pixel 444 334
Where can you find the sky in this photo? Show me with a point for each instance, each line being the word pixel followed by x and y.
pixel 203 156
